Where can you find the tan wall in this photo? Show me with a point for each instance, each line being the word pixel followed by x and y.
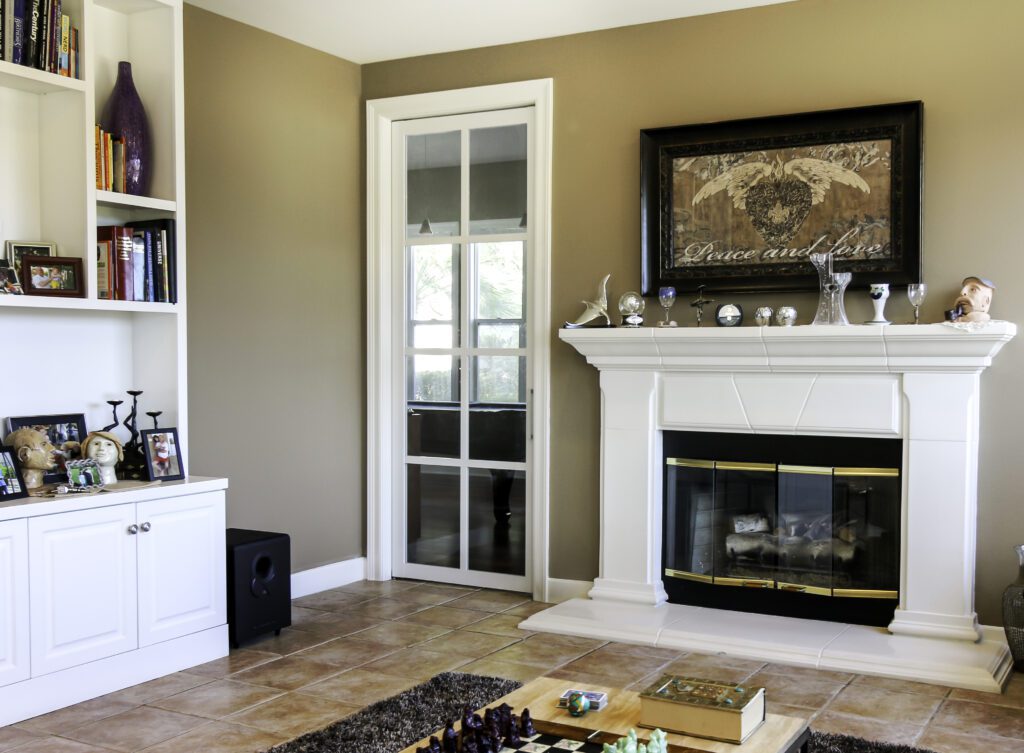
pixel 964 60
pixel 275 283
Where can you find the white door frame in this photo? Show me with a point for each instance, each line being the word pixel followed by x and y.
pixel 382 425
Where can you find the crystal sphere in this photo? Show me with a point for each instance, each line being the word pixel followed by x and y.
pixel 631 303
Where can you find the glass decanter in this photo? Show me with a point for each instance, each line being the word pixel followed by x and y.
pixel 831 306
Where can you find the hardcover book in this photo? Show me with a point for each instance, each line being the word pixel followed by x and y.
pixel 138 266
pixel 121 249
pixel 170 255
pixel 104 283
pixel 702 708
pixel 18 31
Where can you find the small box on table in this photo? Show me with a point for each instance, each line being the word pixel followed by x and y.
pixel 702 708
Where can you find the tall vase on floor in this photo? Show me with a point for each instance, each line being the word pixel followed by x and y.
pixel 1013 613
pixel 124 115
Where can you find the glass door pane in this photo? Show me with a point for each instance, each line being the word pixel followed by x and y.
pixel 433 179
pixel 497 180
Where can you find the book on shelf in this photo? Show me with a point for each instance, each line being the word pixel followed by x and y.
pixel 138 261
pixel 39 34
pixel 168 250
pixel 702 708
pixel 111 174
pixel 104 271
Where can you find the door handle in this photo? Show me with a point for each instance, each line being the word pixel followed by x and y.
pixel 146 527
pixel 133 529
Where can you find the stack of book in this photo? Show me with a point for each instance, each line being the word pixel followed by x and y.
pixel 110 168
pixel 38 34
pixel 137 263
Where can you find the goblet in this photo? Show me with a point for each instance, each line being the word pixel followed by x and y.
pixel 667 297
pixel 916 294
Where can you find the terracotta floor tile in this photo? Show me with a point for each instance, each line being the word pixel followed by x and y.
pixel 489 667
pixel 712 662
pixel 57 722
pixel 378 587
pixel 687 667
pixel 359 687
pixel 293 714
pixel 467 644
pixel 416 662
pixel 384 608
pixel 339 624
pixel 784 709
pixel 648 652
pixel 302 615
pixel 528 608
pixel 12 737
pixel 446 617
pixel 290 641
pixel 158 688
pixel 217 699
pixel 334 600
pixel 347 653
pixel 136 729
pixel 219 737
pixel 981 718
pixel 586 680
pixel 401 634
pixel 886 705
pixel 793 670
pixel 236 661
pixel 869 729
pixel 534 650
pixel 59 745
pixel 903 686
pixel 431 595
pixel 1012 695
pixel 943 740
pixel 490 601
pixel 287 673
pixel 500 624
pixel 796 691
pixel 625 668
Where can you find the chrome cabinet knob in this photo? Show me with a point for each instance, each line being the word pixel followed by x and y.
pixel 145 527
pixel 133 529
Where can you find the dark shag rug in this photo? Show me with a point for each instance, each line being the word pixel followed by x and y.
pixel 395 723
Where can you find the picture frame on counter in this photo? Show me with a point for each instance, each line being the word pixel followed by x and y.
pixel 66 431
pixel 14 251
pixel 12 485
pixel 163 455
pixel 52 276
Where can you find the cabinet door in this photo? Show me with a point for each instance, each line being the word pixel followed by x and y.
pixel 181 566
pixel 14 610
pixel 83 586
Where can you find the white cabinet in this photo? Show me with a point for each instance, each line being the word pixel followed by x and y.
pixel 181 566
pixel 14 639
pixel 83 586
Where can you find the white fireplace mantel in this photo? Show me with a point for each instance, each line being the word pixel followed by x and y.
pixel 917 383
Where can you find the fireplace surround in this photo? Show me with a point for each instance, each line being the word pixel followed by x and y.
pixel 918 384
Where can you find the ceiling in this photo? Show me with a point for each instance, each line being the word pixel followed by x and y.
pixel 367 31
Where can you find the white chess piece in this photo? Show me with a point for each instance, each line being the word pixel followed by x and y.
pixel 879 295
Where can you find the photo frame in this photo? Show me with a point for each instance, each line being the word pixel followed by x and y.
pixel 739 206
pixel 15 250
pixel 66 433
pixel 12 485
pixel 9 282
pixel 163 454
pixel 52 276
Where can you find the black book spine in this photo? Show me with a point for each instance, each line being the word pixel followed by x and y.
pixel 4 31
pixel 30 55
pixel 18 31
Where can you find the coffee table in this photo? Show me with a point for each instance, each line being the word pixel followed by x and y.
pixel 778 734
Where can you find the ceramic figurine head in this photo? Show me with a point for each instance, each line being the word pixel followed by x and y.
pixel 106 449
pixel 975 299
pixel 35 453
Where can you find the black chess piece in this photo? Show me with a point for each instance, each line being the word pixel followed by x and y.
pixel 113 407
pixel 488 717
pixel 467 719
pixel 495 730
pixel 469 744
pixel 503 712
pixel 512 739
pixel 478 723
pixel 484 741
pixel 526 727
pixel 449 738
pixel 435 745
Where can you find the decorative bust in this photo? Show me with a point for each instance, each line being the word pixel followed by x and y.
pixel 974 300
pixel 35 453
pixel 107 450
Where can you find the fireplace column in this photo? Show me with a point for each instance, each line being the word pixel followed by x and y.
pixel 631 488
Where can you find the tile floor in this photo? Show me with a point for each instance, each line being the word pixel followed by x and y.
pixel 355 645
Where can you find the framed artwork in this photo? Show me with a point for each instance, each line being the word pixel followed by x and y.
pixel 15 250
pixel 163 459
pixel 12 485
pixel 740 206
pixel 65 432
pixel 52 275
pixel 9 282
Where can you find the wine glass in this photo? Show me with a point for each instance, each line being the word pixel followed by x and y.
pixel 916 294
pixel 667 297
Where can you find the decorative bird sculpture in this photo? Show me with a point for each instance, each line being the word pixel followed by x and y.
pixel 778 197
pixel 594 309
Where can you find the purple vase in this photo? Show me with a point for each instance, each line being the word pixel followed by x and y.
pixel 125 115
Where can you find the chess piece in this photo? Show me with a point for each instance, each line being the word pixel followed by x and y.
pixel 478 723
pixel 512 739
pixel 435 745
pixel 699 303
pixel 469 743
pixel 449 738
pixel 484 741
pixel 526 724
pixel 494 728
pixel 467 721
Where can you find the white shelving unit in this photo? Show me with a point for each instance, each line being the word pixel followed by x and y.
pixel 71 355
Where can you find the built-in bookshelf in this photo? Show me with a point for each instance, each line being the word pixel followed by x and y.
pixel 70 355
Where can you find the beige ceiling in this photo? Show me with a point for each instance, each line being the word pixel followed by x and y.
pixel 367 31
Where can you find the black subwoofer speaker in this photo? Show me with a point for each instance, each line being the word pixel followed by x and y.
pixel 259 583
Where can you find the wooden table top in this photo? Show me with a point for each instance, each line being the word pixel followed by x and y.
pixel 776 735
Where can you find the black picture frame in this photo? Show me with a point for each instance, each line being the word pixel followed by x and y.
pixel 691 236
pixel 12 483
pixel 173 468
pixel 66 432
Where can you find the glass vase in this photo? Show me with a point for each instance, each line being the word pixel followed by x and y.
pixel 831 303
pixel 124 115
pixel 1013 613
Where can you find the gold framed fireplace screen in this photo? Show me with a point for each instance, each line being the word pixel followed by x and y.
pixel 826 531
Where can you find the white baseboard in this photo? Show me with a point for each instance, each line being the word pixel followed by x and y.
pixel 993 633
pixel 560 590
pixel 326 577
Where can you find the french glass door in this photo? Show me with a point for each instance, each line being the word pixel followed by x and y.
pixel 462 232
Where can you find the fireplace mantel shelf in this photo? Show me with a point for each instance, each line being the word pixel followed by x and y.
pixel 896 348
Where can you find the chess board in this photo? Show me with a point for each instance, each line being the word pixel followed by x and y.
pixel 554 743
